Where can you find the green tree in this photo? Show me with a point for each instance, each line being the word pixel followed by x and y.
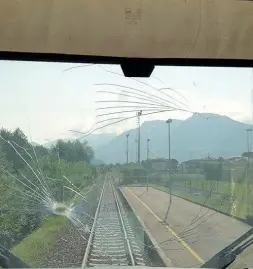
pixel 26 170
pixel 73 151
pixel 40 151
pixel 14 146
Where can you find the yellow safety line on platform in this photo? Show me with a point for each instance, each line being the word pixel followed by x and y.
pixel 194 254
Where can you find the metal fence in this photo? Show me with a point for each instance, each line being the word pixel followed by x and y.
pixel 236 185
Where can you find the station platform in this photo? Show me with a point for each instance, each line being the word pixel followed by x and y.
pixel 191 235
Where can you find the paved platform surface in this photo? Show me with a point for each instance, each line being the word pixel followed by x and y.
pixel 193 234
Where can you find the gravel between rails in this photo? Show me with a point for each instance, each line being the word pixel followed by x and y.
pixel 69 248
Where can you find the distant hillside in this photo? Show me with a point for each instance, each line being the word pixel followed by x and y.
pixel 94 140
pixel 34 144
pixel 98 140
pixel 96 161
pixel 197 137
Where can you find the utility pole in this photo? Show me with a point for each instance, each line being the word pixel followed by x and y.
pixel 127 135
pixel 148 149
pixel 248 143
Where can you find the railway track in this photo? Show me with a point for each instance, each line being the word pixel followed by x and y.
pixel 112 240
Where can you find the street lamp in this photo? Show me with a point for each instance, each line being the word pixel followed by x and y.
pixel 248 146
pixel 127 135
pixel 147 164
pixel 248 149
pixel 168 209
pixel 148 149
pixel 139 136
pixel 169 122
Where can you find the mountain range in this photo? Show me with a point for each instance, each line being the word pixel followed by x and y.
pixel 199 136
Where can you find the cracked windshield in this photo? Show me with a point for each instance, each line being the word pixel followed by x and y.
pixel 98 169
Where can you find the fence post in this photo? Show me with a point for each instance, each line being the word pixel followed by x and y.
pixel 247 191
pixel 231 181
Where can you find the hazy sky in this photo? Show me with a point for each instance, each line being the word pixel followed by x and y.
pixel 48 101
